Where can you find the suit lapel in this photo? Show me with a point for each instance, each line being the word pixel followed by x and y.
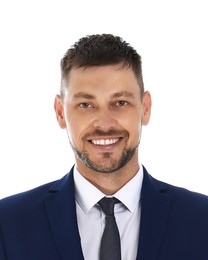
pixel 61 210
pixel 155 206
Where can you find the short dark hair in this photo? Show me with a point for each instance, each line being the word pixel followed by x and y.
pixel 100 50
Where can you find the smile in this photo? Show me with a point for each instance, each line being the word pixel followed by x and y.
pixel 104 142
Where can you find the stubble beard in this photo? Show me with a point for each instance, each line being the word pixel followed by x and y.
pixel 110 165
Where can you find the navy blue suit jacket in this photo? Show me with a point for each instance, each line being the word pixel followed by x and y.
pixel 41 224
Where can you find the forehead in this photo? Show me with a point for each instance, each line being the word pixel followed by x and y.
pixel 101 80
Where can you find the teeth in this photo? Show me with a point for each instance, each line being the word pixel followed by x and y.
pixel 105 141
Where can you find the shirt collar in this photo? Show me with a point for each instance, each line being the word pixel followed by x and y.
pixel 130 193
pixel 87 195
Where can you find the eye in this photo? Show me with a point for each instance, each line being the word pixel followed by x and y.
pixel 85 105
pixel 122 103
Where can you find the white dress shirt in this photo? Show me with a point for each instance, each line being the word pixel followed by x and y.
pixel 91 219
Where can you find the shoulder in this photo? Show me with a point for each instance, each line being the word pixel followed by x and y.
pixel 179 197
pixel 26 198
pixel 183 195
pixel 33 199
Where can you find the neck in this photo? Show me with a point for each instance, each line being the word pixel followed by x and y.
pixel 110 183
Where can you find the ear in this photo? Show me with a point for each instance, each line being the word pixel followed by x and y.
pixel 146 108
pixel 59 110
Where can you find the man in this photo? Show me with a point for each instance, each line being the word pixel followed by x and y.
pixel 103 105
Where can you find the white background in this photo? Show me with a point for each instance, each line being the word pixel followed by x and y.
pixel 172 38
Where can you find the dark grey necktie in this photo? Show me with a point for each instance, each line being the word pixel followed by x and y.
pixel 110 248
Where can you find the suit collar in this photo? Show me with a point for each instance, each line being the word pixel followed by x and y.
pixel 155 204
pixel 61 211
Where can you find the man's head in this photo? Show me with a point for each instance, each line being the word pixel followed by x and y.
pixel 100 50
pixel 102 103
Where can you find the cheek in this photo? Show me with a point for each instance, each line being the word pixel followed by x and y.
pixel 75 129
pixel 72 127
pixel 134 129
pixel 136 132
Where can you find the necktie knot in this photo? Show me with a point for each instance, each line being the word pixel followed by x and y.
pixel 107 205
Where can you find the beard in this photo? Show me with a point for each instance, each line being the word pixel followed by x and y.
pixel 108 165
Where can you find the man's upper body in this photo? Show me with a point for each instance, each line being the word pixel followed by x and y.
pixel 42 223
pixel 103 107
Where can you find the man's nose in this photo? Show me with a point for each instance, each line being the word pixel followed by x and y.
pixel 105 120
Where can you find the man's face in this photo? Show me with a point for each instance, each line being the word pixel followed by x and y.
pixel 103 113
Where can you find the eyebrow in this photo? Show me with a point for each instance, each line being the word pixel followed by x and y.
pixel 123 94
pixel 84 95
pixel 115 95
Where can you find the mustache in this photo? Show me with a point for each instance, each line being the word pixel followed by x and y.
pixel 111 132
